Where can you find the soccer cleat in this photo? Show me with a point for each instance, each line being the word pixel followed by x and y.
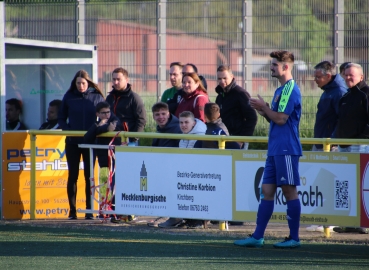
pixel 287 243
pixel 72 217
pixel 250 242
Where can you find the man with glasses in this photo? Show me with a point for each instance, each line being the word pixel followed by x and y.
pixel 326 118
pixel 175 76
pixel 333 89
pixel 106 122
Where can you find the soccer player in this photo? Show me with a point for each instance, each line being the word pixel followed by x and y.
pixel 284 151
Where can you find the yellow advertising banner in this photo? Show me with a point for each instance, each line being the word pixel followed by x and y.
pixel 51 178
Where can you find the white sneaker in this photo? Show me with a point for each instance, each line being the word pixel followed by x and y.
pixel 312 228
pixel 316 228
pixel 321 228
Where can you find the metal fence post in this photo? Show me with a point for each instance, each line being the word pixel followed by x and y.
pixel 339 33
pixel 81 21
pixel 161 39
pixel 247 45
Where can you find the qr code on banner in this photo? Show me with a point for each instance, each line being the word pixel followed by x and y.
pixel 341 194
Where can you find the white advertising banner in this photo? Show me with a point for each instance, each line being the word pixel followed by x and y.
pixel 174 183
pixel 326 188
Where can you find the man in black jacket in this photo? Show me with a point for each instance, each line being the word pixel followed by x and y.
pixel 353 112
pixel 13 110
pixel 353 119
pixel 126 104
pixel 235 109
pixel 52 115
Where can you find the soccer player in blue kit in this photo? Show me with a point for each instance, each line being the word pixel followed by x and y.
pixel 284 151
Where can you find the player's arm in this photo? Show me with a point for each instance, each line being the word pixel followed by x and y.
pixel 263 109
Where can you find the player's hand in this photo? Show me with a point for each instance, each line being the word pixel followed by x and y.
pixel 257 103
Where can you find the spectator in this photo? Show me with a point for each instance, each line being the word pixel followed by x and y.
pixel 126 104
pixel 106 122
pixel 175 75
pixel 77 112
pixel 342 70
pixel 194 98
pixel 173 103
pixel 215 126
pixel 333 89
pixel 189 125
pixel 353 111
pixel 13 111
pixel 52 115
pixel 235 110
pixel 166 123
pixel 284 151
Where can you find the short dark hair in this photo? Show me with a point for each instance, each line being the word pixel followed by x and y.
pixel 326 67
pixel 178 64
pixel 16 103
pixel 120 70
pixel 212 111
pixel 101 105
pixel 187 114
pixel 193 66
pixel 283 56
pixel 159 106
pixel 55 103
pixel 343 66
pixel 224 68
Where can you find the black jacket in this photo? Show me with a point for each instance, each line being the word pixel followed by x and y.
pixel 50 124
pixel 172 126
pixel 129 108
pixel 235 110
pixel 77 112
pixel 353 113
pixel 16 125
pixel 94 130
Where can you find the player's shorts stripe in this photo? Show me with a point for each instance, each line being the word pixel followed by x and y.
pixel 289 170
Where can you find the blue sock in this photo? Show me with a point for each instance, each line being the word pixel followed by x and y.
pixel 294 212
pixel 265 211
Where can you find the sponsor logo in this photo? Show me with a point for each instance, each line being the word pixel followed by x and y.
pixel 143 178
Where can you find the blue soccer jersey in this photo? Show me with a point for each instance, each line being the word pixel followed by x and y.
pixel 284 139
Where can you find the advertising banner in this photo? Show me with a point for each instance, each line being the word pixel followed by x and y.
pixel 51 177
pixel 364 191
pixel 328 189
pixel 174 183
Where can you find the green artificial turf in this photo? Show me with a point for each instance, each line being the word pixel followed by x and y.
pixel 24 247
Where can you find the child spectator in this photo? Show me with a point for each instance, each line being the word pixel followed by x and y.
pixel 214 126
pixel 106 122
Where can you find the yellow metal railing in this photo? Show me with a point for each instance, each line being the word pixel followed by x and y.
pixel 326 142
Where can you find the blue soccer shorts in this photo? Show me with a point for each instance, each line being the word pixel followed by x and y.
pixel 282 170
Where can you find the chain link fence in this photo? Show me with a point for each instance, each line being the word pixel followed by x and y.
pixel 146 36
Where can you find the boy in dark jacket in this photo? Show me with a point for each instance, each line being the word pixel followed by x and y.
pixel 215 126
pixel 106 122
